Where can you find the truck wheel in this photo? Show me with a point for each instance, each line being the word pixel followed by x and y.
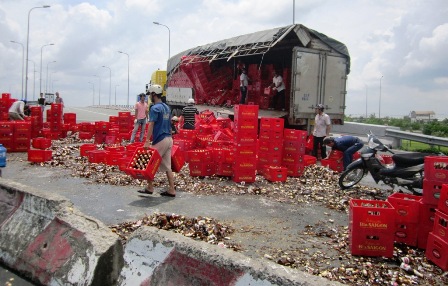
pixel 350 178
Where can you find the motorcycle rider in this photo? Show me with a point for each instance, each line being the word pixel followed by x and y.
pixel 347 144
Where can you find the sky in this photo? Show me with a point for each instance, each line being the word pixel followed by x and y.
pixel 398 48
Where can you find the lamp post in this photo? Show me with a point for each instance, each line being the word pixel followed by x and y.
pixel 379 105
pixel 169 38
pixel 46 79
pixel 116 94
pixel 128 73
pixel 23 55
pixel 40 84
pixel 27 47
pixel 34 78
pixel 110 82
pixel 93 93
pixel 99 89
pixel 293 11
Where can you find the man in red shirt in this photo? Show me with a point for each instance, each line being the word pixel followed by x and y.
pixel 141 113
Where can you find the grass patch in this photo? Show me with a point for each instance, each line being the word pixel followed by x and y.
pixel 409 145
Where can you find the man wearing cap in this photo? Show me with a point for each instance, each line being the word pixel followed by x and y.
pixel 189 113
pixel 17 110
pixel 347 144
pixel 174 122
pixel 141 113
pixel 322 126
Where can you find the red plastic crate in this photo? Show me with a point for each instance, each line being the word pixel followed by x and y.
pixel 85 135
pixel 244 150
pixel 427 215
pixel 431 191
pixel 85 148
pixel 20 146
pixel 6 126
pixel 294 170
pixel 406 207
pixel 97 156
pixel 441 225
pixel 309 160
pixel 124 114
pixel 22 126
pixel 39 156
pixel 271 146
pixel 295 135
pixel 244 175
pixel 200 156
pixel 201 169
pixel 334 165
pixel 422 236
pixel 406 233
pixel 436 168
pixel 113 158
pixel 335 155
pixel 245 138
pixel 224 169
pixel 203 141
pixel 270 135
pixel 222 155
pixel 367 243
pixel 41 143
pixel 245 111
pixel 223 122
pixel 151 169
pixel 187 134
pixel 246 125
pixel 291 146
pixel 371 215
pixel 292 158
pixel 207 117
pixel 437 251
pixel 269 159
pixel 204 129
pixel 443 200
pixel 177 159
pixel 275 173
pixel 123 163
pixel 245 162
pixel 276 124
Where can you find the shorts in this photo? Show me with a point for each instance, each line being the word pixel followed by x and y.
pixel 164 149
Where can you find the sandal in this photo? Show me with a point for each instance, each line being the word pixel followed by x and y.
pixel 166 194
pixel 145 191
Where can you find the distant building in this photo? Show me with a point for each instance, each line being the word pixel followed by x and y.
pixel 424 116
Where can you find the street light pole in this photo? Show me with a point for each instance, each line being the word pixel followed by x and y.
pixel 99 89
pixel 379 106
pixel 34 78
pixel 40 84
pixel 93 93
pixel 46 79
pixel 23 56
pixel 110 82
pixel 27 47
pixel 169 38
pixel 128 73
pixel 116 94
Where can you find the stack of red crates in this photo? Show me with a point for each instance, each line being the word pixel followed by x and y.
pixel 436 174
pixel 86 130
pixel 6 134
pixel 125 123
pixel 406 217
pixel 5 103
pixel 54 118
pixel 270 149
pixel 435 197
pixel 101 129
pixel 37 121
pixel 70 121
pixel 245 143
pixel 334 161
pixel 21 136
pixel 40 153
pixel 294 142
pixel 371 228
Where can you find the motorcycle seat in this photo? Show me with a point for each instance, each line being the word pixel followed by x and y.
pixel 409 159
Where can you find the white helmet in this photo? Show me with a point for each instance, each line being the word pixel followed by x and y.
pixel 190 101
pixel 157 89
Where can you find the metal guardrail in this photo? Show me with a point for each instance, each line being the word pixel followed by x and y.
pixel 431 140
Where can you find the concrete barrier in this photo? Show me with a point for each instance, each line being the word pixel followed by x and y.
pixel 360 130
pixel 47 240
pixel 158 257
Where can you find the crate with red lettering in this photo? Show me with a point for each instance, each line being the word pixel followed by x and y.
pixel 245 111
pixel 372 215
pixel 443 200
pixel 441 225
pixel 177 159
pixel 244 175
pixel 437 251
pixel 406 207
pixel 295 169
pixel 224 169
pixel 431 191
pixel 97 156
pixel 406 233
pixel 371 243
pixel 39 156
pixel 295 135
pixel 201 169
pixel 275 124
pixel 436 168
pixel 41 143
pixel 275 173
pixel 291 146
pixel 199 156
pixel 144 163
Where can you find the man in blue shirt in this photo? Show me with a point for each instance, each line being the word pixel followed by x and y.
pixel 347 144
pixel 160 129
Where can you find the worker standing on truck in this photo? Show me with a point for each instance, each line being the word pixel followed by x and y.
pixel 189 113
pixel 278 101
pixel 244 82
pixel 141 113
pixel 322 127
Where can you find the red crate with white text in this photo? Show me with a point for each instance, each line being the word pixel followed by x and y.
pixel 295 135
pixel 224 169
pixel 443 200
pixel 199 156
pixel 406 207
pixel 437 251
pixel 276 124
pixel 269 159
pixel 245 162
pixel 275 173
pixel 39 156
pixel 245 111
pixel 295 169
pixel 290 146
pixel 271 146
pixel 244 175
pixel 370 243
pixel 431 191
pixel 406 233
pixel 436 168
pixel 371 215
pixel 177 159
pixel 198 169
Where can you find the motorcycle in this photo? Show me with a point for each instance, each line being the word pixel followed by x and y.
pixel 406 169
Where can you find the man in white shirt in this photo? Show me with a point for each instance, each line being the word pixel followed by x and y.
pixel 16 111
pixel 322 127
pixel 244 82
pixel 279 98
